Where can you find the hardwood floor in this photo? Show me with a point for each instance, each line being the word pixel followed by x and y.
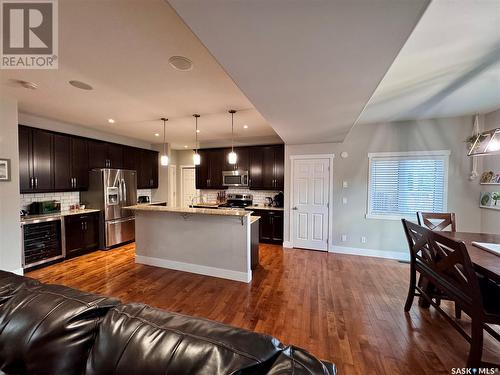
pixel 345 309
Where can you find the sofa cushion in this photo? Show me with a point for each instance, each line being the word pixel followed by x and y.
pixel 138 339
pixel 10 284
pixel 49 329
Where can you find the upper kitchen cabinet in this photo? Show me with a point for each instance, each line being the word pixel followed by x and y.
pixel 145 162
pixel 243 161
pixel 147 172
pixel 267 167
pixel 51 161
pixel 70 162
pixel 209 172
pixel 105 155
pixel 36 160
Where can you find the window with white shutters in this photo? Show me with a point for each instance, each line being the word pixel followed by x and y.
pixel 400 184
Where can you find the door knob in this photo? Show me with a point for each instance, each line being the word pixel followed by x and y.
pixel 294 208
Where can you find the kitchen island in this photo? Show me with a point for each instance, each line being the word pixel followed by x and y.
pixel 211 242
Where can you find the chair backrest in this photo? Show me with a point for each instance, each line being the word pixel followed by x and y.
pixel 446 263
pixel 437 221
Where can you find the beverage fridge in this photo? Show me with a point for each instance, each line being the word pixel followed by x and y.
pixel 111 190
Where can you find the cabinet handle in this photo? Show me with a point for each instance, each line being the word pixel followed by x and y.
pixel 36 182
pixel 82 225
pixel 86 226
pixel 75 182
pixel 32 182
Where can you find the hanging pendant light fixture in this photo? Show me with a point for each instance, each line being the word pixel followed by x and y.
pixel 232 158
pixel 196 156
pixel 164 157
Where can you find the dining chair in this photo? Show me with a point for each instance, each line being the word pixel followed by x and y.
pixel 437 220
pixel 447 265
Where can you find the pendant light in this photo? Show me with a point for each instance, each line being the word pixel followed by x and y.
pixel 164 157
pixel 196 156
pixel 232 158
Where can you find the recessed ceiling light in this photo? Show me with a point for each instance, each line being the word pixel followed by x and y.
pixel 111 121
pixel 26 84
pixel 185 146
pixel 180 63
pixel 245 126
pixel 80 85
pixel 197 130
pixel 157 135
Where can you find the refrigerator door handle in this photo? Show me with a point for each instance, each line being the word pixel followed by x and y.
pixel 124 187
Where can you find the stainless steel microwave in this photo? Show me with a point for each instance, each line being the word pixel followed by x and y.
pixel 235 178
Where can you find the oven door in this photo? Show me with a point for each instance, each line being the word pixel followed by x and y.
pixel 235 178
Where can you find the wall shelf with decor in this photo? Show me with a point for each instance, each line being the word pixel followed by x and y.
pixel 490 199
pixel 490 178
pixel 491 207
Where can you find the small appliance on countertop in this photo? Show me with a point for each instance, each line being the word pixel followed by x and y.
pixel 279 200
pixel 143 199
pixel 44 208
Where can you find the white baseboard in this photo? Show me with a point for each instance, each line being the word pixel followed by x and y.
pixel 396 255
pixel 195 268
pixel 19 271
pixel 287 244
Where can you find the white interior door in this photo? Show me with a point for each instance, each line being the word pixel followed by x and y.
pixel 188 186
pixel 310 203
pixel 172 186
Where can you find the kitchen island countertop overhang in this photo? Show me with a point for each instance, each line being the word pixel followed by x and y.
pixel 204 241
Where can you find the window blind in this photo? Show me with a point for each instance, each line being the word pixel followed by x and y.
pixel 401 186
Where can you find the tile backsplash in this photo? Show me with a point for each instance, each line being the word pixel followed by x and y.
pixel 67 199
pixel 259 196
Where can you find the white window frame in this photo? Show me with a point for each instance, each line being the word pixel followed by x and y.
pixel 445 154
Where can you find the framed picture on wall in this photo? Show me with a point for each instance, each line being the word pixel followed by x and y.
pixel 4 169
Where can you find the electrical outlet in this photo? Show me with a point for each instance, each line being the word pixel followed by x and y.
pixel 344 237
pixel 344 200
pixel 363 239
pixel 345 184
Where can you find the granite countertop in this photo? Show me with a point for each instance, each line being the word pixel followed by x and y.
pixel 208 205
pixel 253 219
pixel 262 207
pixel 191 211
pixel 152 203
pixel 35 218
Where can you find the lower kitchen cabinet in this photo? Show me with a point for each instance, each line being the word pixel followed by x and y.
pixel 81 233
pixel 270 226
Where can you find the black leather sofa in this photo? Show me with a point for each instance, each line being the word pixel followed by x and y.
pixel 52 329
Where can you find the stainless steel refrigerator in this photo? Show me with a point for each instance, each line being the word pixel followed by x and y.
pixel 110 190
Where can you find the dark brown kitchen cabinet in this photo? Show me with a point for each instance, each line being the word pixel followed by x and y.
pixel 51 161
pixel 267 167
pixel 70 163
pixel 242 162
pixel 105 155
pixel 79 163
pixel 147 172
pixel 82 233
pixel 25 152
pixel 36 160
pixel 209 172
pixel 270 226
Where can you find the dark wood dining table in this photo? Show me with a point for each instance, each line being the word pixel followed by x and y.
pixel 485 263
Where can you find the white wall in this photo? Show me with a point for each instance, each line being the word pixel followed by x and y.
pixel 490 219
pixel 10 229
pixel 387 235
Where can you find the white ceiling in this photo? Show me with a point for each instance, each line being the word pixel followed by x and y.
pixel 309 67
pixel 121 48
pixel 450 65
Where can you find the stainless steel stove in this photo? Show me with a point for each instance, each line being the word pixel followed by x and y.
pixel 237 201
